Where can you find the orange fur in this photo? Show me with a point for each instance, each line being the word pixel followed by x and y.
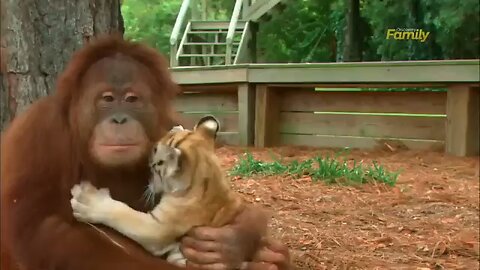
pixel 195 193
pixel 41 161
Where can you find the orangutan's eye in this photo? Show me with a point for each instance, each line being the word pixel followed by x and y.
pixel 131 98
pixel 108 97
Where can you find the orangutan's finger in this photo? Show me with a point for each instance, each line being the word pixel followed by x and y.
pixel 200 245
pixel 213 266
pixel 199 257
pixel 208 233
pixel 267 255
pixel 258 266
pixel 276 245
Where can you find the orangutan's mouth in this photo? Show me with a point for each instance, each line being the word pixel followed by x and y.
pixel 119 147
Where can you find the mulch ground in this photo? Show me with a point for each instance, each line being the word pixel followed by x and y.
pixel 429 220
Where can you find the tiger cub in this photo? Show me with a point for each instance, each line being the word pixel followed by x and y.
pixel 195 192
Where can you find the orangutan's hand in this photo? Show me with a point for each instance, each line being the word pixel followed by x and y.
pixel 226 247
pixel 273 255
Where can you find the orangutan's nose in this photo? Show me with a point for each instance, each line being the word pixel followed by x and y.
pixel 119 119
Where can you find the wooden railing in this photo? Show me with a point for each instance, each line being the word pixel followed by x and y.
pixel 245 10
pixel 276 104
pixel 231 30
pixel 180 47
pixel 176 32
pixel 242 52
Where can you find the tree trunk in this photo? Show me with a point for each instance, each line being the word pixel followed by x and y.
pixel 38 39
pixel 352 50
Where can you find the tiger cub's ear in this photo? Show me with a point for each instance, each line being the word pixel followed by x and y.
pixel 177 128
pixel 208 125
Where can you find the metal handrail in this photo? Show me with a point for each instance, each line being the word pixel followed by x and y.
pixel 184 38
pixel 176 31
pixel 231 31
pixel 239 58
pixel 179 22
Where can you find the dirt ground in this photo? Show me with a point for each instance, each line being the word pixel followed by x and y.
pixel 429 220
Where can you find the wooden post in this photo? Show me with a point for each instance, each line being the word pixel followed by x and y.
pixel 245 7
pixel 204 10
pixel 462 121
pixel 252 48
pixel 194 9
pixel 246 114
pixel 267 116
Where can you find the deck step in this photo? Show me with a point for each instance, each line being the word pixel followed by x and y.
pixel 215 25
pixel 209 43
pixel 201 55
pixel 204 42
pixel 211 32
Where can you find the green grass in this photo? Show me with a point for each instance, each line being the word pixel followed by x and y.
pixel 326 169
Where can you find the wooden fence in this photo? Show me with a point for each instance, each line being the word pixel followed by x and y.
pixel 261 109
pixel 223 105
pixel 360 119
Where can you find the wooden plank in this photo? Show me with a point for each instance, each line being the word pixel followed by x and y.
pixel 204 87
pixel 361 85
pixel 227 138
pixel 458 62
pixel 212 102
pixel 462 121
pixel 267 116
pixel 422 63
pixel 302 100
pixel 216 25
pixel 246 114
pixel 327 141
pixel 210 76
pixel 365 73
pixel 395 72
pixel 402 127
pixel 208 88
pixel 228 121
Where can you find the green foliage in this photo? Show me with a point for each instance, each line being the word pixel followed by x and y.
pixel 303 32
pixel 150 21
pixel 453 26
pixel 313 31
pixel 326 169
pixel 456 25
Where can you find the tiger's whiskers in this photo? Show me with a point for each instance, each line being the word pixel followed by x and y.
pixel 149 197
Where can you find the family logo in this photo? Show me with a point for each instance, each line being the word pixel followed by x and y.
pixel 407 34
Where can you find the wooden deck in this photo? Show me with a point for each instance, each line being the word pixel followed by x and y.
pixel 275 104
pixel 434 72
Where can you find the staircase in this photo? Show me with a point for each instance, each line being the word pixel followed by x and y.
pixel 204 43
pixel 212 42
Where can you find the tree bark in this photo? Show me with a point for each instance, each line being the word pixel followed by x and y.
pixel 38 38
pixel 352 50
